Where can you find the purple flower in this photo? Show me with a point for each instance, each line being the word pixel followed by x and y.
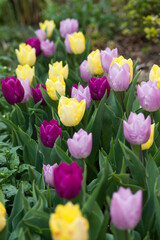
pixel 68 180
pixel 126 208
pixel 137 130
pixel 68 26
pixel 40 34
pixel 47 48
pixel 80 93
pixel 67 45
pixel 34 43
pixel 49 132
pixel 98 87
pixel 12 90
pixel 27 89
pixel 84 71
pixel 149 96
pixel 80 145
pixel 107 56
pixel 48 174
pixel 37 95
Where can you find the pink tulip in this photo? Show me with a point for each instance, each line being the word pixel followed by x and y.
pixel 107 56
pixel 49 174
pixel 80 93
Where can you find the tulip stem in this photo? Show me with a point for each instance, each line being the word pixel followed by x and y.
pixel 126 235
pixel 122 101
pixel 141 155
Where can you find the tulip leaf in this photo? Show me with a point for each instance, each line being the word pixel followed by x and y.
pixel 62 155
pixel 157 204
pixel 48 100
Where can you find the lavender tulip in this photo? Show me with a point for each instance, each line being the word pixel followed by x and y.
pixel 149 96
pixel 126 208
pixel 47 48
pixel 107 56
pixel 80 93
pixel 48 174
pixel 68 26
pixel 84 71
pixel 98 87
pixel 67 45
pixel 34 43
pixel 68 180
pixel 37 95
pixel 137 130
pixel 41 34
pixel 80 145
pixel 27 89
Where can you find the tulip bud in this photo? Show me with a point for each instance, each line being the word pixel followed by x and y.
pixel 2 217
pixel 40 34
pixel 48 174
pixel 55 84
pixel 68 26
pixel 149 143
pixel 154 74
pixel 77 42
pixel 25 72
pixel 94 63
pixel 98 87
pixel 57 69
pixel 84 71
pixel 80 93
pixel 27 89
pixel 37 95
pixel 26 54
pixel 34 43
pixel 47 26
pixel 47 48
pixel 107 56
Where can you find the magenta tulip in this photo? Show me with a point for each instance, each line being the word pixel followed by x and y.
pixel 98 87
pixel 34 43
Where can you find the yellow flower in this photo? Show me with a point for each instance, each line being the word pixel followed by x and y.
pixel 54 84
pixel 77 42
pixel 57 69
pixel 47 26
pixel 25 72
pixel 26 54
pixel 94 63
pixel 121 60
pixel 154 74
pixel 2 217
pixel 149 143
pixel 71 111
pixel 67 223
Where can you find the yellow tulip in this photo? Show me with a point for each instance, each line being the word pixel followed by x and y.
pixel 154 74
pixel 71 111
pixel 94 63
pixel 47 26
pixel 25 72
pixel 67 223
pixel 149 143
pixel 77 42
pixel 57 69
pixel 26 54
pixel 2 217
pixel 54 84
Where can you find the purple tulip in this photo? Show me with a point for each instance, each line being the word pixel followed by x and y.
pixel 98 87
pixel 80 145
pixel 12 89
pixel 67 45
pixel 41 34
pixel 68 26
pixel 149 96
pixel 34 43
pixel 84 71
pixel 27 89
pixel 137 130
pixel 37 95
pixel 107 56
pixel 49 132
pixel 47 48
pixel 126 208
pixel 48 174
pixel 68 180
pixel 119 77
pixel 80 93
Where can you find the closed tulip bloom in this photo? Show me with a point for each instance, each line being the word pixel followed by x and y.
pixel 37 95
pixel 119 77
pixel 47 26
pixel 48 174
pixel 98 87
pixel 84 71
pixel 80 93
pixel 2 217
pixel 70 111
pixel 94 63
pixel 49 132
pixel 34 43
pixel 126 208
pixel 149 96
pixel 40 34
pixel 67 44
pixel 67 223
pixel 137 130
pixel 77 42
pixel 27 90
pixel 55 84
pixel 26 54
pixel 68 26
pixel 80 145
pixel 25 72
pixel 12 89
pixel 57 69
pixel 154 74
pixel 47 48
pixel 68 180
pixel 149 143
pixel 107 56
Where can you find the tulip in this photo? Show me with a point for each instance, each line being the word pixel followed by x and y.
pixel 70 111
pixel 48 174
pixel 94 63
pixel 47 26
pixel 25 72
pixel 12 89
pixel 37 95
pixel 68 180
pixel 149 96
pixel 57 69
pixel 26 54
pixel 80 145
pixel 84 71
pixel 47 48
pixel 68 26
pixel 34 43
pixel 154 74
pixel 2 217
pixel 80 93
pixel 137 130
pixel 27 89
pixel 126 208
pixel 98 87
pixel 49 132
pixel 149 143
pixel 67 223
pixel 55 84
pixel 67 44
pixel 107 56
pixel 77 42
pixel 40 34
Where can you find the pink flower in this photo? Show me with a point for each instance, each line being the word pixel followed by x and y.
pixel 80 93
pixel 67 45
pixel 107 56
pixel 84 71
pixel 47 48
pixel 48 174
pixel 27 89
pixel 68 26
pixel 40 34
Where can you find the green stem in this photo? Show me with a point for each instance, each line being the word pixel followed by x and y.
pixel 141 156
pixel 122 100
pixel 126 235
